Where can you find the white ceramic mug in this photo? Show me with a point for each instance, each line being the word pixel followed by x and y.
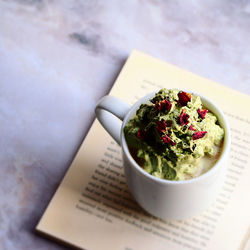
pixel 164 198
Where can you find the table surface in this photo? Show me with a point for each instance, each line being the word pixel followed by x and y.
pixel 57 58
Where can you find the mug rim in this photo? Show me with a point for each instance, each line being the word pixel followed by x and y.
pixel 224 153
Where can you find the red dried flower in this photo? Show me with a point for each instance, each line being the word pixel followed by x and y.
pixel 184 98
pixel 163 105
pixel 202 112
pixel 141 134
pixel 192 128
pixel 198 135
pixel 161 126
pixel 169 123
pixel 183 118
pixel 167 140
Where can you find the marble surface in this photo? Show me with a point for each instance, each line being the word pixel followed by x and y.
pixel 57 58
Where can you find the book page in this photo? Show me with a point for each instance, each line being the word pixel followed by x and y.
pixel 93 208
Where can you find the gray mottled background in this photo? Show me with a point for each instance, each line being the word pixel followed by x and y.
pixel 57 58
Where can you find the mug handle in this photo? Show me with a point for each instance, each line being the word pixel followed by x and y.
pixel 108 109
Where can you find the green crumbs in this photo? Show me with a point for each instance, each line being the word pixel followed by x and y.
pixel 169 136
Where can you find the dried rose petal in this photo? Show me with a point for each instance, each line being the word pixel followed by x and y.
pixel 198 135
pixel 167 140
pixel 183 118
pixel 141 134
pixel 202 112
pixel 161 126
pixel 163 105
pixel 184 98
pixel 192 128
pixel 169 123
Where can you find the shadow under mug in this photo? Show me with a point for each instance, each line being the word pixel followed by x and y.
pixel 162 198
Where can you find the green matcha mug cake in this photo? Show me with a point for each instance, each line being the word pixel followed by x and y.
pixel 174 136
pixel 175 146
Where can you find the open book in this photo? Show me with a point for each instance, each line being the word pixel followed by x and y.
pixel 93 209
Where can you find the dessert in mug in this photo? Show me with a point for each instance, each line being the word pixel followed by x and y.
pixel 174 136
